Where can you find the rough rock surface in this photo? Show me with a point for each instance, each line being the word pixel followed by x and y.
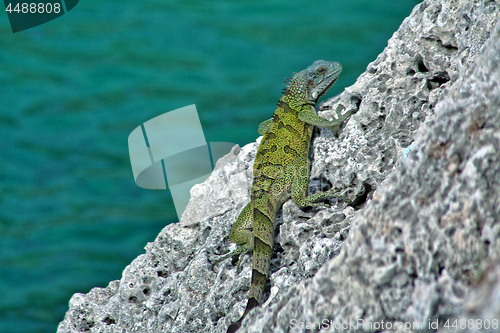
pixel 422 241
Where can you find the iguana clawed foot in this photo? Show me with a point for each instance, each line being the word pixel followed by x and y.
pixel 236 255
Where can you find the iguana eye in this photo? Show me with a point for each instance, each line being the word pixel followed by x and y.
pixel 321 70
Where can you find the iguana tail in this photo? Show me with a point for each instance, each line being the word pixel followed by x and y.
pixel 263 232
pixel 252 303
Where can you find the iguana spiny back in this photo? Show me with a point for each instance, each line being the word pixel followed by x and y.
pixel 281 171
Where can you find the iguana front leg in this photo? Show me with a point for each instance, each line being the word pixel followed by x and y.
pixel 309 116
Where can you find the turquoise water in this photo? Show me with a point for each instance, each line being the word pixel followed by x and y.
pixel 71 91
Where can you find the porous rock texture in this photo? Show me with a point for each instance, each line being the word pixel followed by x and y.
pixel 420 244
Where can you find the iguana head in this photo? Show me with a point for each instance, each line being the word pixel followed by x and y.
pixel 310 84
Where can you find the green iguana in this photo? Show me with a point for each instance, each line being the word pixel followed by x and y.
pixel 281 170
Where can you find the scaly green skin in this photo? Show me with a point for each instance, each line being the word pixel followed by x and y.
pixel 282 171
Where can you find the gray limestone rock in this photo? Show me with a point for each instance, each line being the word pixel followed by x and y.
pixel 420 244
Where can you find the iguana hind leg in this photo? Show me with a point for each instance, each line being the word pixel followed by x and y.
pixel 242 234
pixel 263 247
